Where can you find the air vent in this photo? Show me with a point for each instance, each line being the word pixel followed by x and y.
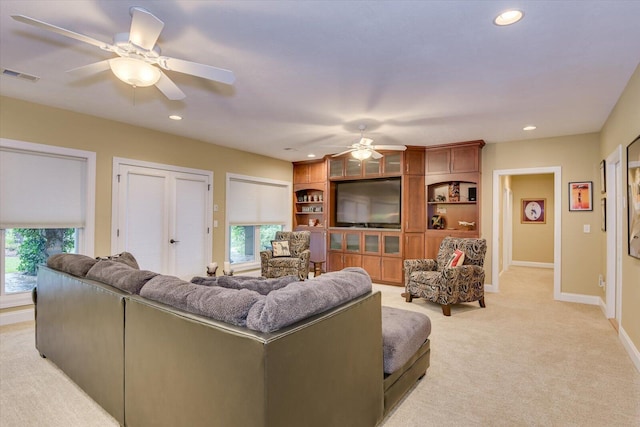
pixel 19 75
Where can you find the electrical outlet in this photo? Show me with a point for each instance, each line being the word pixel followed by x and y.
pixel 601 282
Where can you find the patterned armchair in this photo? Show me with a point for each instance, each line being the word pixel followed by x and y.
pixel 297 264
pixel 433 280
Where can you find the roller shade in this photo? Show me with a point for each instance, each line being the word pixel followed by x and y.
pixel 257 202
pixel 39 189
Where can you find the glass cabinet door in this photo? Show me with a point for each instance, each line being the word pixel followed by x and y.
pixel 335 241
pixel 353 242
pixel 354 167
pixel 391 245
pixel 372 167
pixel 372 243
pixel 335 167
pixel 392 163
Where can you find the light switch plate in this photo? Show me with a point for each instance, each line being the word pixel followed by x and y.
pixel 587 228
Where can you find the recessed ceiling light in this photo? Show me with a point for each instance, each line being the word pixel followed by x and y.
pixel 530 127
pixel 508 17
pixel 175 117
pixel 311 155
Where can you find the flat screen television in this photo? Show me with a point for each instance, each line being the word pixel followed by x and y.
pixel 370 203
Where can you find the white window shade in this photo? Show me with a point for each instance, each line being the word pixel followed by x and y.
pixel 38 189
pixel 258 202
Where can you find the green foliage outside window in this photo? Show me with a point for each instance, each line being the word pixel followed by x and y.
pixel 38 243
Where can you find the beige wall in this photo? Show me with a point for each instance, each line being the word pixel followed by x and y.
pixel 532 242
pixel 621 128
pixel 578 156
pixel 30 122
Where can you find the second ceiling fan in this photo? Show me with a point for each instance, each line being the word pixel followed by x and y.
pixel 364 148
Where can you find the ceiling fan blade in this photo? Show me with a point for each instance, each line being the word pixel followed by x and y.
pixel 375 154
pixel 199 70
pixel 390 147
pixel 344 152
pixel 64 32
pixel 169 88
pixel 91 69
pixel 365 141
pixel 145 28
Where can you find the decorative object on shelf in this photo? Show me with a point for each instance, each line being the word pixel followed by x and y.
pixel 441 198
pixel 533 211
pixel 313 222
pixel 468 225
pixel 472 194
pixel 226 270
pixel 633 179
pixel 305 198
pixel 454 192
pixel 211 269
pixel 437 222
pixel 581 196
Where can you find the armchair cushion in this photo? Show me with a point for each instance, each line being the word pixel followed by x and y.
pixel 280 248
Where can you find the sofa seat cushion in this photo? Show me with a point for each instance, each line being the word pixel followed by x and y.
pixel 262 285
pixel 227 305
pixel 300 300
pixel 74 264
pixel 403 333
pixel 120 275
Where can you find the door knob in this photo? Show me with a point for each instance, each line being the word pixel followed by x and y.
pixel 174 241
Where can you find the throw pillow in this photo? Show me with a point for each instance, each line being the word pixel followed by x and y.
pixel 124 257
pixel 457 258
pixel 280 248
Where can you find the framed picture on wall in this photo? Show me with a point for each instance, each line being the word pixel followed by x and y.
pixel 633 180
pixel 603 213
pixel 533 211
pixel 581 196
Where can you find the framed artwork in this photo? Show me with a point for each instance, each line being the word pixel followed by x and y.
pixel 603 177
pixel 633 181
pixel 603 209
pixel 533 211
pixel 581 196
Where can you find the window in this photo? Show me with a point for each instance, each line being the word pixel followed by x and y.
pixel 246 241
pixel 27 248
pixel 47 198
pixel 256 209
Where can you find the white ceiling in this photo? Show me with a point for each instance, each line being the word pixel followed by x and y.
pixel 308 73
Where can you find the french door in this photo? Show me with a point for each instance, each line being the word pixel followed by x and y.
pixel 162 215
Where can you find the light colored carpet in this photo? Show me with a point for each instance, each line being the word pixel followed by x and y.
pixel 524 360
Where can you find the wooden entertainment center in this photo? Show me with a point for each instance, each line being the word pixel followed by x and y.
pixel 440 196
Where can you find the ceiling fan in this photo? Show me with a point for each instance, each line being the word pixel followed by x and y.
pixel 363 149
pixel 139 62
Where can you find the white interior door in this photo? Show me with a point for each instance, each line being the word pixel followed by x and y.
pixel 163 217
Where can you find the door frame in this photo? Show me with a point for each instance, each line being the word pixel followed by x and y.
pixel 115 196
pixel 557 222
pixel 615 192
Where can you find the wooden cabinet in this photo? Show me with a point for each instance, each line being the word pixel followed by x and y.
pixel 414 245
pixel 413 205
pixel 462 157
pixel 309 206
pixel 309 172
pixel 452 191
pixel 348 167
pixel 378 252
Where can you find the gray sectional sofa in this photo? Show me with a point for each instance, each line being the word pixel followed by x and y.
pixel 153 350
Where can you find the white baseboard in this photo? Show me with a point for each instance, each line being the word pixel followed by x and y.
pixel 532 264
pixel 489 288
pixel 17 316
pixel 579 298
pixel 632 351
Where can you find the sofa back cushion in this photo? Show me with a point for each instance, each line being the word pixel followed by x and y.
pixel 227 305
pixel 120 275
pixel 74 264
pixel 300 300
pixel 262 285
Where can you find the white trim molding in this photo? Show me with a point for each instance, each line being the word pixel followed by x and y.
pixel 16 316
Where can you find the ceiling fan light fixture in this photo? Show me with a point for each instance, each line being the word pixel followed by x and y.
pixel 361 154
pixel 135 72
